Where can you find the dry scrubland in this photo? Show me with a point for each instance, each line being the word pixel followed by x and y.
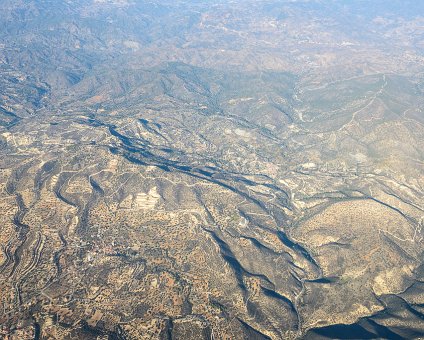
pixel 176 170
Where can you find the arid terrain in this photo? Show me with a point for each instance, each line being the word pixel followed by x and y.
pixel 211 170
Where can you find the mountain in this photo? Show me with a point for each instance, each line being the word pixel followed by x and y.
pixel 211 170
